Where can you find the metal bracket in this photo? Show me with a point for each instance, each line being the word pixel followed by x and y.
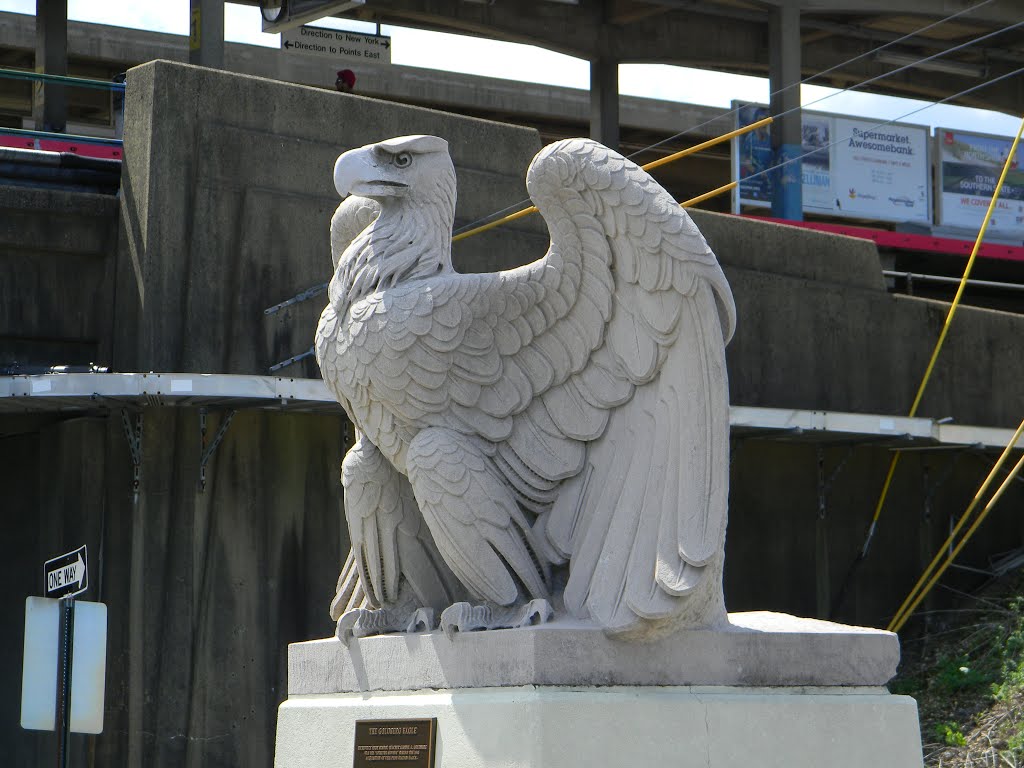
pixel 930 489
pixel 822 568
pixel 209 450
pixel 825 483
pixel 133 434
pixel 305 295
pixel 292 360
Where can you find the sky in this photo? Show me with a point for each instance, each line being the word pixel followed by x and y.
pixel 475 56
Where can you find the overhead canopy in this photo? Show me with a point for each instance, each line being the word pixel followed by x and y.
pixel 732 36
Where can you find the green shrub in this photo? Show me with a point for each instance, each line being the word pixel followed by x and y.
pixel 949 733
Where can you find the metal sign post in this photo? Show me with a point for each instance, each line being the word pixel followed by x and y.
pixel 65 655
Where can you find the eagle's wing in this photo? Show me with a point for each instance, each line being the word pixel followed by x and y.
pixel 351 217
pixel 647 514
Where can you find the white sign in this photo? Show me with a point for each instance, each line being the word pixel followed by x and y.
pixel 39 667
pixel 849 167
pixel 881 172
pixel 67 575
pixel 337 45
pixel 969 165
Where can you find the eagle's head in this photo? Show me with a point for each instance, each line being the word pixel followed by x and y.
pixel 411 168
pixel 413 180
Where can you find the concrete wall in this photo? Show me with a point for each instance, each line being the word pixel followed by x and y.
pixel 56 276
pixel 817 330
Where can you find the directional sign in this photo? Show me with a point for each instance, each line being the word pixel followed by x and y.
pixel 68 574
pixel 337 45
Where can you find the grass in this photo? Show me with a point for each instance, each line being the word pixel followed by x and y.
pixel 967 674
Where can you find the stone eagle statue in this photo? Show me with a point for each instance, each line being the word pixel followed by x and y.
pixel 551 438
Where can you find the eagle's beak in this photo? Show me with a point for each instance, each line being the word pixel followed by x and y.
pixel 357 172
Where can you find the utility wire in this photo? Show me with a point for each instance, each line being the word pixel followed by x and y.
pixel 515 206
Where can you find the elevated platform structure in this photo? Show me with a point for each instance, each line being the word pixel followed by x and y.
pixel 729 36
pixel 89 393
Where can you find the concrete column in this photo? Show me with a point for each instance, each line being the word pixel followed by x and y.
pixel 206 33
pixel 49 101
pixel 604 101
pixel 784 70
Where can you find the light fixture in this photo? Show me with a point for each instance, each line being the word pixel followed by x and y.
pixel 280 15
pixel 272 9
pixel 932 65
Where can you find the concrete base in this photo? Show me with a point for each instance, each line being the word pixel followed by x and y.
pixel 752 649
pixel 678 726
pixel 764 690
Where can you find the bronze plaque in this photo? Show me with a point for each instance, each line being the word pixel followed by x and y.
pixel 405 742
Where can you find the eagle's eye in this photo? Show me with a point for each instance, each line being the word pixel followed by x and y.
pixel 403 160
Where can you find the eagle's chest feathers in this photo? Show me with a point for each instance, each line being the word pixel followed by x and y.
pixel 381 299
pixel 373 343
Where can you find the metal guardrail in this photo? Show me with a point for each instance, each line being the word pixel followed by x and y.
pixel 911 277
pixel 115 87
pixel 79 82
pixel 60 136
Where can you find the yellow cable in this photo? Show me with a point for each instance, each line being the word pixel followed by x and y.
pixel 967 269
pixel 498 223
pixel 902 614
pixel 945 328
pixel 650 166
pixel 706 195
pixel 707 144
pixel 897 626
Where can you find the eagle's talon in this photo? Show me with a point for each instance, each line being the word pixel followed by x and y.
pixel 344 630
pixel 535 612
pixel 463 617
pixel 422 620
pixel 361 622
pixel 458 618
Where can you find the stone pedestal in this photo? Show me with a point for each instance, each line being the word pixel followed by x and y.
pixel 768 690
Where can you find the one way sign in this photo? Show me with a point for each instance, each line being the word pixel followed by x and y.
pixel 68 574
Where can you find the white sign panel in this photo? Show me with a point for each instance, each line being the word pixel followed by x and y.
pixel 881 173
pixel 969 165
pixel 39 667
pixel 816 165
pixel 849 168
pixel 338 45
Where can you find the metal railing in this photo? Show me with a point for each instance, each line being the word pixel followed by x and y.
pixel 116 89
pixel 912 277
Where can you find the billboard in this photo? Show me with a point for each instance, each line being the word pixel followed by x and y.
pixel 851 168
pixel 967 169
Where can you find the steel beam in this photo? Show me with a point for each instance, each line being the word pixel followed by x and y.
pixel 49 100
pixel 604 101
pixel 206 33
pixel 784 84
